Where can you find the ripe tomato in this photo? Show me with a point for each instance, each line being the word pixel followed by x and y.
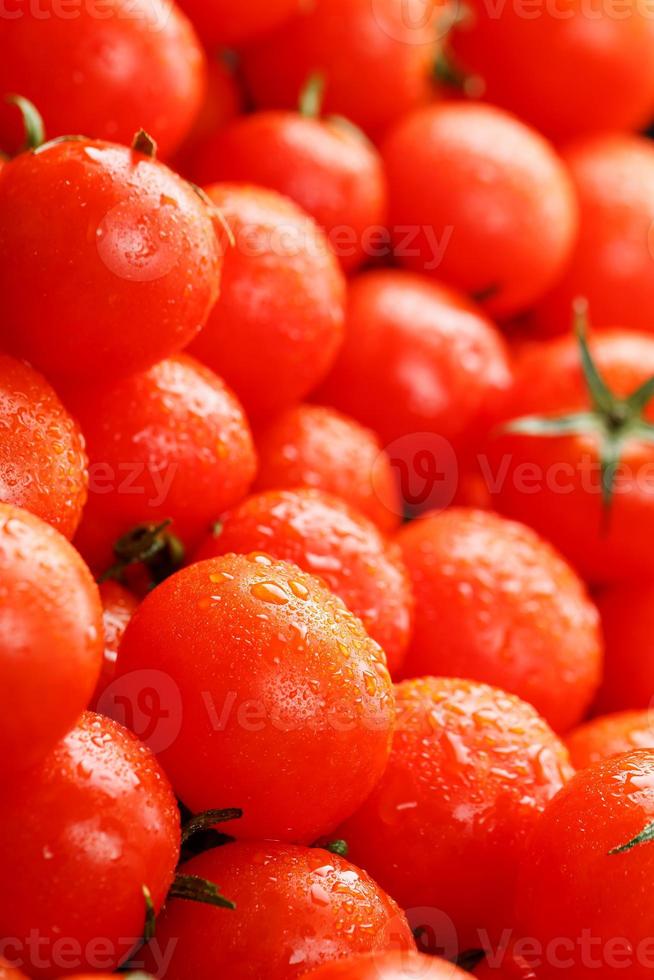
pixel 50 637
pixel 223 101
pixel 507 964
pixel 611 735
pixel 470 771
pixel 583 876
pixel 377 58
pixel 228 22
pixel 118 607
pixel 296 907
pixel 265 663
pixel 122 65
pixel 136 236
pixel 80 835
pixel 172 442
pixel 549 473
pixel 282 294
pixel 326 537
pixel 8 972
pixel 325 166
pixel 627 612
pixel 611 262
pixel 496 603
pixel 315 446
pixel 388 966
pixel 419 363
pixel 499 221
pixel 568 69
pixel 42 459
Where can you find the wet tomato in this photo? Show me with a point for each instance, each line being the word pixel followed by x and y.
pixel 388 966
pixel 610 735
pixel 118 607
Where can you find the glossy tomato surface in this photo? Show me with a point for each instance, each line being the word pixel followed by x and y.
pixel 609 736
pixel 388 966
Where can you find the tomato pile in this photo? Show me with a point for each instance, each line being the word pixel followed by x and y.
pixel 326 489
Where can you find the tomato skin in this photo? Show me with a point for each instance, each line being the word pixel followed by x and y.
pixel 327 168
pixel 510 966
pixel 135 234
pixel 266 663
pixel 118 607
pixel 42 458
pixel 611 261
pixel 326 537
pixel 282 293
pixel 172 442
pixel 80 835
pixel 553 484
pixel 496 221
pixel 289 903
pixel 418 358
pixel 583 68
pixel 122 65
pixel 574 897
pixel 388 966
pixel 470 771
pixel 50 637
pixel 609 736
pixel 226 22
pixel 8 972
pixel 223 102
pixel 378 59
pixel 319 447
pixel 627 611
pixel 496 603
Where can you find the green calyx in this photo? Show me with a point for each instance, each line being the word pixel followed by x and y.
pixel 612 420
pixel 195 889
pixel 151 545
pixel 32 122
pixel 646 836
pixel 208 820
pixel 144 143
pixel 149 928
pixel 312 95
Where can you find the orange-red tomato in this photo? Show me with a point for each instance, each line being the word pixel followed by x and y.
pixel 135 236
pixel 118 607
pixel 480 201
pixel 611 262
pixel 554 483
pixel 227 22
pixel 326 537
pixel 569 68
pixel 580 892
pixel 121 65
pixel 296 907
pixel 50 637
pixel 170 443
pixel 496 603
pixel 610 735
pixel 249 660
pixel 627 612
pixel 377 58
pixel 42 458
pixel 282 293
pixel 315 446
pixel 325 166
pixel 470 772
pixel 388 966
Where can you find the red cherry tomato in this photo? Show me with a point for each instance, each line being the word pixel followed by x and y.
pixel 136 236
pixel 388 966
pixel 568 69
pixel 497 222
pixel 282 293
pixel 627 612
pixel 580 895
pixel 314 446
pixel 611 263
pixel 325 166
pixel 496 603
pixel 507 964
pixel 122 65
pixel 326 537
pixel 42 459
pixel 118 605
pixel 377 58
pixel 80 835
pixel 296 907
pixel 264 663
pixel 425 369
pixel 554 483
pixel 227 22
pixel 471 769
pixel 50 637
pixel 8 972
pixel 611 735
pixel 171 443
pixel 222 103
